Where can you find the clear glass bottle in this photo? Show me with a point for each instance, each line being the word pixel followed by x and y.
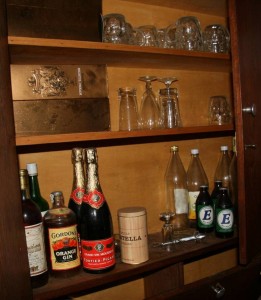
pixel 224 215
pixel 196 177
pixel 204 211
pixel 222 169
pixel 177 190
pixel 61 237
pixel 97 241
pixel 34 233
pixel 78 186
pixel 35 188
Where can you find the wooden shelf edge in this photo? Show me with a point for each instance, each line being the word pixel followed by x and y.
pixel 61 43
pixel 110 135
pixel 26 50
pixel 159 259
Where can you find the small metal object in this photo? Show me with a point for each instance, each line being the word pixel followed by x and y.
pixel 253 146
pixel 219 290
pixel 195 237
pixel 250 110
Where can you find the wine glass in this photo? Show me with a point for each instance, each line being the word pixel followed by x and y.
pixel 150 111
pixel 169 106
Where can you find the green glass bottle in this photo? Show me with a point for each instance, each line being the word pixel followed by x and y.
pixel 35 188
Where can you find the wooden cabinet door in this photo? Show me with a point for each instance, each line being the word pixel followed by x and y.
pixel 245 27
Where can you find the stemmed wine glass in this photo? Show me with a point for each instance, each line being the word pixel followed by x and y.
pixel 169 106
pixel 150 111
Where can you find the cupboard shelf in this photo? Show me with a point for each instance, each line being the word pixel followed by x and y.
pixel 25 50
pixel 114 135
pixel 159 259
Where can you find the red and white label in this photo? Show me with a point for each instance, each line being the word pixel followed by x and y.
pixel 77 195
pixel 98 255
pixel 95 199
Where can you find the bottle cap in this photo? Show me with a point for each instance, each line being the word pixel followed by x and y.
pixel 174 148
pixel 224 148
pixel 194 151
pixel 32 169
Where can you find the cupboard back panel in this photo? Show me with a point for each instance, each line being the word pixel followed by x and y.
pixel 130 175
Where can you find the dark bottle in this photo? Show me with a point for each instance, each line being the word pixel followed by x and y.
pixel 61 238
pixel 204 211
pixel 97 243
pixel 224 215
pixel 34 233
pixel 78 186
pixel 222 169
pixel 216 192
pixel 35 189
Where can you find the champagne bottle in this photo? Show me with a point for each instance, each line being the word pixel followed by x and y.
pixel 35 188
pixel 196 177
pixel 61 236
pixel 177 190
pixel 34 233
pixel 224 215
pixel 222 169
pixel 204 211
pixel 97 242
pixel 78 186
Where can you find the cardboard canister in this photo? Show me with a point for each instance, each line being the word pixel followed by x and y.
pixel 133 235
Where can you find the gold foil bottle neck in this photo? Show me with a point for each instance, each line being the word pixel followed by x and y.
pixel 24 182
pixel 77 155
pixel 91 155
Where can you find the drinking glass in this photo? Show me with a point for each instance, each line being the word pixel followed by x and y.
pixel 219 111
pixel 216 38
pixel 114 28
pixel 169 106
pixel 188 34
pixel 149 112
pixel 128 112
pixel 170 36
pixel 147 36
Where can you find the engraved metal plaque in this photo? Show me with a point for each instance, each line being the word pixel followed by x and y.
pixel 58 81
pixel 36 117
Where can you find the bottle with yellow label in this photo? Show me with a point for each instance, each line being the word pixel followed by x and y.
pixel 61 235
pixel 196 177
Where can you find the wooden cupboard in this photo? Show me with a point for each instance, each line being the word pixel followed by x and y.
pixel 132 164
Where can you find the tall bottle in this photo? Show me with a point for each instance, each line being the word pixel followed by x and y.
pixel 204 211
pixel 224 215
pixel 216 191
pixel 61 236
pixel 222 169
pixel 35 188
pixel 196 177
pixel 34 233
pixel 97 243
pixel 78 186
pixel 177 190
